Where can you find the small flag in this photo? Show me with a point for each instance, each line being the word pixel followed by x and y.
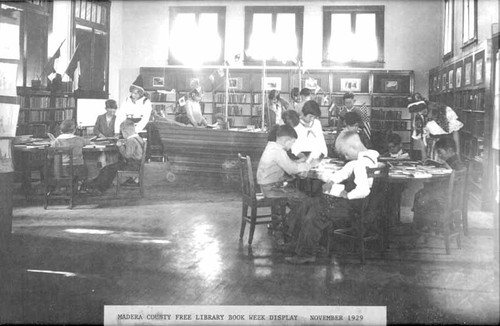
pixel 73 64
pixel 49 67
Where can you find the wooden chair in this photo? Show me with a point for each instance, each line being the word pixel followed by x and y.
pixel 357 230
pixel 448 225
pixel 465 202
pixel 59 180
pixel 250 198
pixel 122 175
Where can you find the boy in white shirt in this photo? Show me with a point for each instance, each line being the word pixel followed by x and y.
pixel 351 182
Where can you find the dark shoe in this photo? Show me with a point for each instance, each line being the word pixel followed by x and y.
pixel 94 192
pixel 298 260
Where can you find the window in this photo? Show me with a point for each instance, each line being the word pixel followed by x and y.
pixel 469 33
pixel 28 22
pixel 89 68
pixel 448 29
pixel 273 34
pixel 197 35
pixel 353 35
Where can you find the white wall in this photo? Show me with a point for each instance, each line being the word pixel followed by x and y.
pixel 412 35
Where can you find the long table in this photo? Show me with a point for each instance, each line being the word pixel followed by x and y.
pixel 32 158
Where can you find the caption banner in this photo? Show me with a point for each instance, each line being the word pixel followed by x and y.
pixel 244 315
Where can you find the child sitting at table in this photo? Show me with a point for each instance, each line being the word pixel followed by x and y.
pixel 354 122
pixel 105 123
pixel 68 139
pixel 395 148
pixel 351 182
pixel 430 200
pixel 276 167
pixel 131 149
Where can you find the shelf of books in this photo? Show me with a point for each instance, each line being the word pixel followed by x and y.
pixel 464 85
pixel 44 108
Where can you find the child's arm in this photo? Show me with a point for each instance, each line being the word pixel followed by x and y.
pixel 146 115
pixel 290 166
pixel 361 181
pixel 342 174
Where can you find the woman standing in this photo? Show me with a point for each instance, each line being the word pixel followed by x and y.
pixel 136 107
pixel 431 122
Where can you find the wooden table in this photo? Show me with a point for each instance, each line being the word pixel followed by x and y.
pixel 32 158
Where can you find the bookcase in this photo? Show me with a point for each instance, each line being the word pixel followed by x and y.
pixel 464 84
pixel 43 108
pixel 384 91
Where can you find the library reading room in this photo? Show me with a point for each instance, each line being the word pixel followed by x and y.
pixel 240 162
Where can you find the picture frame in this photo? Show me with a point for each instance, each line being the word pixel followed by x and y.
pixel 390 85
pixel 158 81
pixel 235 83
pixel 271 83
pixel 311 83
pixel 350 84
pixel 468 71
pixel 458 76
pixel 444 81
pixel 479 68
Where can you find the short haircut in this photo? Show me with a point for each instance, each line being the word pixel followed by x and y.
pixel 446 143
pixel 219 116
pixel 286 131
pixel 311 107
pixel 351 118
pixel 348 95
pixel 394 139
pixel 111 104
pixel 128 125
pixel 346 140
pixel 294 92
pixel 68 126
pixel 271 135
pixel 274 94
pixel 290 117
pixel 305 92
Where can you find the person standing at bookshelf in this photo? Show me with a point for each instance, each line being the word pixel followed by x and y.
pixel 105 123
pixel 433 121
pixel 338 113
pixel 275 107
pixel 136 107
pixel 191 113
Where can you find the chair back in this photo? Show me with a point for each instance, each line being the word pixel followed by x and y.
pixel 143 161
pixel 246 177
pixel 54 167
pixel 379 186
pixel 457 186
pixel 38 130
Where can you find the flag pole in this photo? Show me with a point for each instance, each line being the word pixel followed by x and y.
pixel 263 92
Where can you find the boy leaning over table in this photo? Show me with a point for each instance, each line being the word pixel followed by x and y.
pixel 429 201
pixel 131 149
pixel 275 167
pixel 351 182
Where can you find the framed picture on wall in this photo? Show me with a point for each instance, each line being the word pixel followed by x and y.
pixel 443 81
pixel 458 75
pixel 390 85
pixel 468 71
pixel 271 83
pixel 350 84
pixel 158 81
pixel 235 83
pixel 438 83
pixel 479 68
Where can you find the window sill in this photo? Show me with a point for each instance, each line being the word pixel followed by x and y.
pixel 447 56
pixel 355 64
pixel 469 43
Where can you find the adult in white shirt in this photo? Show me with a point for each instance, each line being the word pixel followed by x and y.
pixel 136 107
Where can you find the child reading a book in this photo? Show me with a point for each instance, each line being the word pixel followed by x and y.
pixel 351 182
pixel 68 139
pixel 105 123
pixel 395 148
pixel 131 149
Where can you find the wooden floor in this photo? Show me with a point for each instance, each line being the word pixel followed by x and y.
pixel 180 245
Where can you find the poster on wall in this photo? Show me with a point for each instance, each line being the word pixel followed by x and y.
pixel 458 77
pixel 9 114
pixel 8 77
pixel 478 69
pixel 6 156
pixel 450 79
pixel 468 71
pixel 271 83
pixel 350 84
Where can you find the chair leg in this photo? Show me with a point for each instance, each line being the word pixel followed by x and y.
pixel 465 222
pixel 141 188
pixel 252 224
pixel 117 188
pixel 361 235
pixel 446 234
pixel 244 212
